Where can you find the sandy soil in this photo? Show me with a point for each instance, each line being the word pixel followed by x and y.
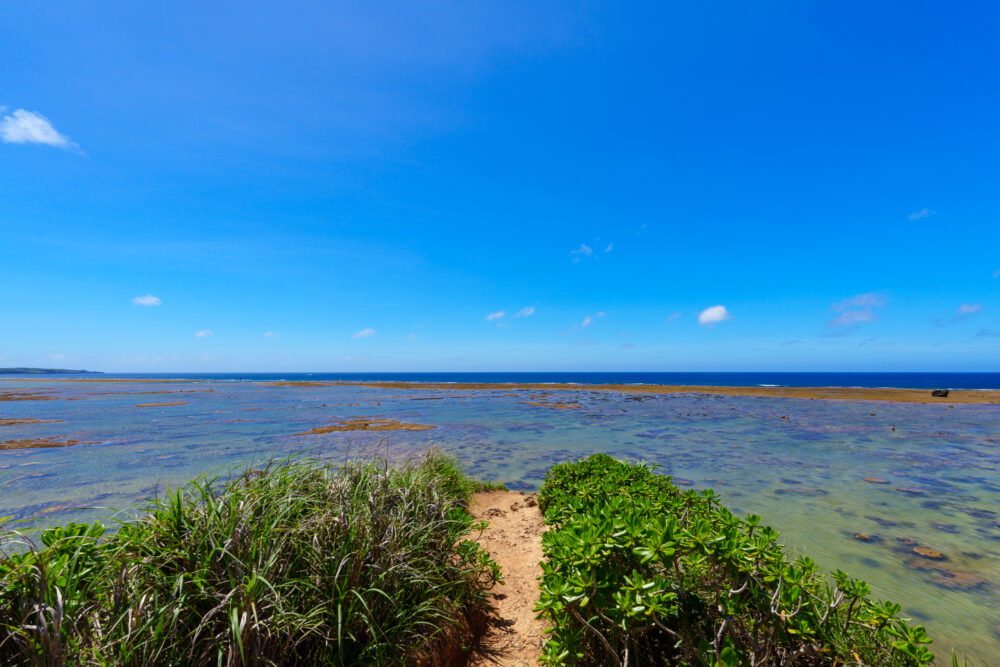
pixel 514 539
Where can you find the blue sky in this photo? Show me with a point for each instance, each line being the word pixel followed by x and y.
pixel 500 186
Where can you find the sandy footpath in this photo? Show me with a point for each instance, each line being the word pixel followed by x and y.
pixel 514 539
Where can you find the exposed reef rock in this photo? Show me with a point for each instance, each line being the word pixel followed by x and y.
pixel 367 424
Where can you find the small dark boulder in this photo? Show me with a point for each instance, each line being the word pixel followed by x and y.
pixel 940 393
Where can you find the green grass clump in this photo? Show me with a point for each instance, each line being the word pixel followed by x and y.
pixel 637 572
pixel 297 563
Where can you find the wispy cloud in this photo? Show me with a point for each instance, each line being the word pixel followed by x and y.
pixel 855 311
pixel 365 333
pixel 30 127
pixel 611 246
pixel 713 315
pixel 853 317
pixel 965 311
pixel 589 319
pixel 921 214
pixel 410 336
pixel 204 333
pixel 527 311
pixel 148 300
pixel 988 333
pixel 583 251
pixel 866 300
pixel 270 334
pixel 673 317
pixel 996 274
pixel 493 317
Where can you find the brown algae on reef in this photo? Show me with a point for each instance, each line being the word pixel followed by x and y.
pixel 35 443
pixel 19 422
pixel 367 424
pixel 159 405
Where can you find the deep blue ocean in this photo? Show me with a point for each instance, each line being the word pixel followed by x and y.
pixel 897 380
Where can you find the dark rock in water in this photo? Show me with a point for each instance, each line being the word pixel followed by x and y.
pixel 794 491
pixel 912 492
pixel 940 393
pixel 959 580
pixel 981 513
pixel 943 526
pixel 791 481
pixel 885 523
pixel 932 504
pixel 906 540
pixel 926 552
pixel 876 480
pixel 864 537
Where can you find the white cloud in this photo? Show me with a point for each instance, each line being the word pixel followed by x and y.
pixel 969 308
pixel 204 333
pixel 527 311
pixel 492 317
pixel 588 320
pixel 583 251
pixel 852 317
pixel 365 333
pixel 148 300
pixel 713 315
pixel 270 334
pixel 866 300
pixel 856 310
pixel 30 127
pixel 965 311
pixel 921 214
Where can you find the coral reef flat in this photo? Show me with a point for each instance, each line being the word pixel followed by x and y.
pixel 872 486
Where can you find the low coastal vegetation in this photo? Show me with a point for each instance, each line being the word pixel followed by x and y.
pixel 638 572
pixel 370 563
pixel 297 563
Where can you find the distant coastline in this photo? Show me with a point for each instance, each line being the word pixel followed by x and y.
pixel 44 371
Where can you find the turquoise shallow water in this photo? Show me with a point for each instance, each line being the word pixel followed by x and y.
pixel 799 463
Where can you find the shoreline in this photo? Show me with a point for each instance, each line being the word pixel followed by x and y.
pixel 886 394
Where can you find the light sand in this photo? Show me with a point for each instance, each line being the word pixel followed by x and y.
pixel 514 539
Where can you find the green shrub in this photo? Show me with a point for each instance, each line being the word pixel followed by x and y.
pixel 293 564
pixel 637 572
